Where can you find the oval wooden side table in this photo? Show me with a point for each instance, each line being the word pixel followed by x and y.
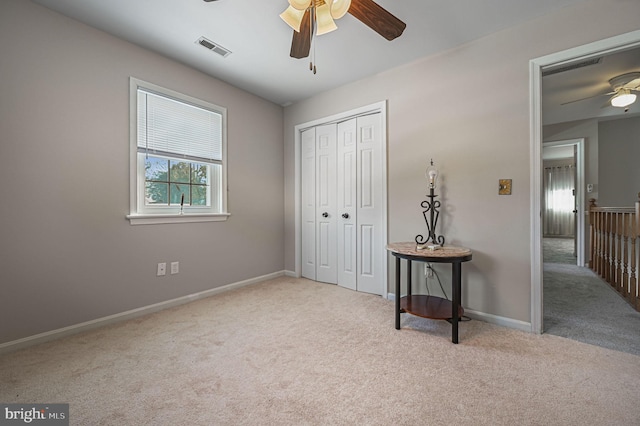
pixel 430 306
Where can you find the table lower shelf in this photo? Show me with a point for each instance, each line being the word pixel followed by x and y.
pixel 428 307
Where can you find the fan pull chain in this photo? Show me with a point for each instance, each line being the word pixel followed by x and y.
pixel 314 56
pixel 312 66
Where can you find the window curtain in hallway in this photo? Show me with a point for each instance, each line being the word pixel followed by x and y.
pixel 559 201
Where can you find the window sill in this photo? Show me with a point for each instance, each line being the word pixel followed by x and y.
pixel 155 219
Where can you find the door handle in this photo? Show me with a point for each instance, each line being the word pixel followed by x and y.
pixel 345 215
pixel 325 214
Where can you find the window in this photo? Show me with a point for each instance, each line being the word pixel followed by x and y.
pixel 178 170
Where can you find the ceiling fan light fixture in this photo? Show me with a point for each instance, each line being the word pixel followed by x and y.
pixel 339 8
pixel 623 99
pixel 324 20
pixel 293 17
pixel 300 4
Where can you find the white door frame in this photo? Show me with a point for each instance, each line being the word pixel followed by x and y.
pixel 579 188
pixel 606 46
pixel 380 107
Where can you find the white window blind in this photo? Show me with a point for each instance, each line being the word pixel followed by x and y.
pixel 170 127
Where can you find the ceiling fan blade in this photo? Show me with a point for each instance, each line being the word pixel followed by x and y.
pixel 377 18
pixel 633 84
pixel 301 43
pixel 588 97
pixel 608 103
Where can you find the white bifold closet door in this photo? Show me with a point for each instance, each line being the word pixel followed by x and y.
pixel 342 204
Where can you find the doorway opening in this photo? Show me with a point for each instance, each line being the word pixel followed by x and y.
pixel 611 45
pixel 563 203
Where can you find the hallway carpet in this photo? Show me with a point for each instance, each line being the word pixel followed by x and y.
pixel 579 305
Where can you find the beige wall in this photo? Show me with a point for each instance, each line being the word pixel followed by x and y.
pixel 619 153
pixel 468 109
pixel 67 253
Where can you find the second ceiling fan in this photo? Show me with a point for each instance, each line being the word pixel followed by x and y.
pixel 305 16
pixel 624 88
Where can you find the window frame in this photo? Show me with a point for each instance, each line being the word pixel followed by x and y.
pixel 141 214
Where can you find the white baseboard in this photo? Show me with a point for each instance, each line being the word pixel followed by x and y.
pixel 495 319
pixel 490 318
pixel 291 274
pixel 123 316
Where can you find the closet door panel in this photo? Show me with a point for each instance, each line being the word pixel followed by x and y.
pixel 370 235
pixel 347 204
pixel 308 187
pixel 326 221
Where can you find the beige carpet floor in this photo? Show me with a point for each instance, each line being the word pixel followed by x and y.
pixel 296 352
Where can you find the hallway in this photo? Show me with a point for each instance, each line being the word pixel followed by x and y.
pixel 579 305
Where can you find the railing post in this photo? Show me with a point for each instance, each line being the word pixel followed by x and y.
pixel 635 291
pixel 615 248
pixel 615 252
pixel 609 247
pixel 626 233
pixel 618 267
pixel 600 241
pixel 592 234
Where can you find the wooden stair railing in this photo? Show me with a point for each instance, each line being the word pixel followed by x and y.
pixel 614 247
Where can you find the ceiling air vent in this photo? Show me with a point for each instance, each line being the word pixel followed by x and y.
pixel 570 67
pixel 213 47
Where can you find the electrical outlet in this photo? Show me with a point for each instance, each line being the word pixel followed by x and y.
pixel 175 267
pixel 162 269
pixel 428 271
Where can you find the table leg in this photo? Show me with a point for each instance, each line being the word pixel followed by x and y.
pixel 397 293
pixel 455 287
pixel 409 274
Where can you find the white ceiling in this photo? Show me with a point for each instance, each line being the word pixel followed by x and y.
pixel 260 40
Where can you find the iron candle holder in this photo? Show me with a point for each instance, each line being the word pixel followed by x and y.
pixel 430 213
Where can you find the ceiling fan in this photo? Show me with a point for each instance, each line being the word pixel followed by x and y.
pixel 623 87
pixel 305 16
